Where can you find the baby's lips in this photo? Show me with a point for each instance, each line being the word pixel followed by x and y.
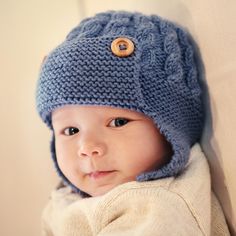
pixel 98 174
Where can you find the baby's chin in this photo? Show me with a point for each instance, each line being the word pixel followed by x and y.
pixel 101 190
pixel 102 186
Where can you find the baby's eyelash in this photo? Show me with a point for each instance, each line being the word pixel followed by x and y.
pixel 116 122
pixel 70 131
pixel 119 121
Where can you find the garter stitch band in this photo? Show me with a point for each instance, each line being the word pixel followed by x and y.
pixel 160 78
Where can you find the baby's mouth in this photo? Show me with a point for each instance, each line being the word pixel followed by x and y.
pixel 100 174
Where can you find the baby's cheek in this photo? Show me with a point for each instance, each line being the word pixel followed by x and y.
pixel 63 165
pixel 138 167
pixel 69 172
pixel 147 163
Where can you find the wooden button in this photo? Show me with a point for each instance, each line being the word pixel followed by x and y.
pixel 122 47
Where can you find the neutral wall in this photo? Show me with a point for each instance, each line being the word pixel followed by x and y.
pixel 30 28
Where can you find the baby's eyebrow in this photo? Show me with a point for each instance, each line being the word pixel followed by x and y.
pixel 61 117
pixel 120 114
pixel 130 116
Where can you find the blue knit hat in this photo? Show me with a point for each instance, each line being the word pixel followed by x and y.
pixel 151 69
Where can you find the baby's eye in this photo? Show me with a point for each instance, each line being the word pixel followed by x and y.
pixel 119 122
pixel 70 131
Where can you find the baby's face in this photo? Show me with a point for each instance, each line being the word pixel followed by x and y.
pixel 100 147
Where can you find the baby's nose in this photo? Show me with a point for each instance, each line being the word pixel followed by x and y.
pixel 90 151
pixel 91 148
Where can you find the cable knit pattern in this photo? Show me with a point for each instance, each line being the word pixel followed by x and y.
pixel 160 78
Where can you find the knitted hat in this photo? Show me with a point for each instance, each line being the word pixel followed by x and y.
pixel 128 60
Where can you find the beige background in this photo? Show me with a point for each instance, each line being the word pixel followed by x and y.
pixel 30 28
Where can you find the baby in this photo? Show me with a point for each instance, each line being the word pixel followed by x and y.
pixel 123 99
